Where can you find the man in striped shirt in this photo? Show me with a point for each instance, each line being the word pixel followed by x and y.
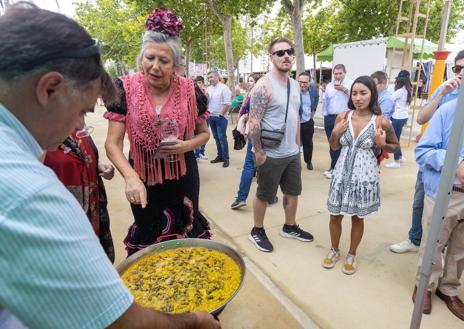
pixel 53 271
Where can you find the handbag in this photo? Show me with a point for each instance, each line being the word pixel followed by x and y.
pixel 273 138
pixel 239 140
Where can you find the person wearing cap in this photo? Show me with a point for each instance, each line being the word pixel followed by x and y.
pixel 402 97
pixel 55 274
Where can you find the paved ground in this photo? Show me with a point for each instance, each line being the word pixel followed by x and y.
pixel 377 296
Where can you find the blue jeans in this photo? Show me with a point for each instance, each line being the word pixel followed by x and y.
pixel 415 232
pixel 199 151
pixel 329 123
pixel 248 171
pixel 218 127
pixel 398 125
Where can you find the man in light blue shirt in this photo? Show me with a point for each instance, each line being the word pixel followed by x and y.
pixel 430 155
pixel 335 101
pixel 387 106
pixel 218 104
pixel 446 92
pixel 54 272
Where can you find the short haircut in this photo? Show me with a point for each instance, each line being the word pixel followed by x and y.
pixel 306 74
pixel 381 76
pixel 199 78
pixel 30 46
pixel 215 73
pixel 276 41
pixel 340 67
pixel 459 56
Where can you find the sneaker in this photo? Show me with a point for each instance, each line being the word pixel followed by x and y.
pixel 331 259
pixel 203 157
pixel 295 232
pixel 276 199
pixel 404 246
pixel 350 265
pixel 393 165
pixel 259 238
pixel 328 174
pixel 237 204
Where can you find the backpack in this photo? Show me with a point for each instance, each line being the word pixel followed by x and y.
pixel 379 153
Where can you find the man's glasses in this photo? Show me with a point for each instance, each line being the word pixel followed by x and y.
pixel 281 53
pixel 457 69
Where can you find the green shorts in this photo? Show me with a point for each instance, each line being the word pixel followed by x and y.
pixel 285 172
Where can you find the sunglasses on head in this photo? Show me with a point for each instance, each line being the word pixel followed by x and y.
pixel 280 53
pixel 457 69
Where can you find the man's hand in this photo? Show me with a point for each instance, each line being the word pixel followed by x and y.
pixel 460 172
pixel 260 158
pixel 205 320
pixel 451 85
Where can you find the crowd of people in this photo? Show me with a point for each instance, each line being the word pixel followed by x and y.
pixel 54 207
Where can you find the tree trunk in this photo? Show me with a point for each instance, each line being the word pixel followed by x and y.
pixel 297 24
pixel 295 10
pixel 227 24
pixel 315 69
pixel 188 45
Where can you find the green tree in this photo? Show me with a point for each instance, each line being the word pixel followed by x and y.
pixel 118 28
pixel 227 11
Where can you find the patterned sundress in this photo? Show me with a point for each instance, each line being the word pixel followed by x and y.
pixel 354 188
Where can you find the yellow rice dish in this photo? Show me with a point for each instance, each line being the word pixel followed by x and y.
pixel 183 280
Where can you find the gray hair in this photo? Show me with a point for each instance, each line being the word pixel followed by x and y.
pixel 158 37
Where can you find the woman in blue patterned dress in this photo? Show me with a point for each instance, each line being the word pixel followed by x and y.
pixel 354 190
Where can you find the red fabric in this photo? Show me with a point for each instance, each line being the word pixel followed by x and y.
pixel 114 116
pixel 79 177
pixel 143 125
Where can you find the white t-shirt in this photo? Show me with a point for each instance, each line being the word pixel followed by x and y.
pixel 400 97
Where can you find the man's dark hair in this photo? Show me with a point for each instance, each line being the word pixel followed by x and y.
pixel 370 84
pixel 276 41
pixel 199 78
pixel 381 76
pixel 306 74
pixel 459 56
pixel 340 67
pixel 34 41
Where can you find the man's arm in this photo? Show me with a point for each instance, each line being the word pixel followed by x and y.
pixel 325 104
pixel 226 96
pixel 430 152
pixel 431 106
pixel 137 317
pixel 258 105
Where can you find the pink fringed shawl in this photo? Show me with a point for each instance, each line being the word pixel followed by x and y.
pixel 143 125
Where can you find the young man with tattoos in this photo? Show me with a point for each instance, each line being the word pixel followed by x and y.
pixel 275 106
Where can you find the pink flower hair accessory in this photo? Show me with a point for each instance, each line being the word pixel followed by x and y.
pixel 164 21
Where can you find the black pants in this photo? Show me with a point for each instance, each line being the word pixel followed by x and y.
pixel 307 132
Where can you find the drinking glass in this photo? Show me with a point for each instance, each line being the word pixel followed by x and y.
pixel 169 134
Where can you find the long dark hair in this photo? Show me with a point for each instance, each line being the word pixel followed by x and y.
pixel 370 84
pixel 406 83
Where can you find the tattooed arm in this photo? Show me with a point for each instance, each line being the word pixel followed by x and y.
pixel 258 106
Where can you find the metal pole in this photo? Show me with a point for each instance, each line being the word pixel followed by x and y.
pixel 448 174
pixel 444 24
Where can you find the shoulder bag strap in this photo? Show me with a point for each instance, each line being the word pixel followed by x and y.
pixel 288 98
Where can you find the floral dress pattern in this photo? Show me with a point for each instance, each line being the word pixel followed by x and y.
pixel 354 188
